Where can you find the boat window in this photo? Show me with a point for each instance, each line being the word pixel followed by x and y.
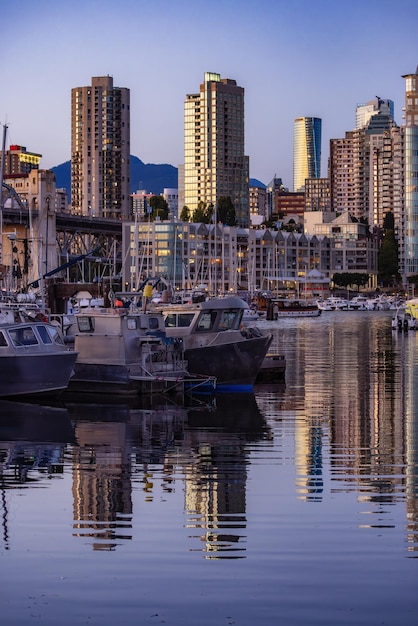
pixel 85 324
pixel 44 334
pixel 131 323
pixel 184 320
pixel 227 320
pixel 23 336
pixel 153 323
pixel 170 320
pixel 3 341
pixel 54 334
pixel 206 320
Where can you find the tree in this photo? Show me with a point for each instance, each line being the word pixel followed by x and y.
pixel 226 211
pixel 159 207
pixel 185 214
pixel 347 279
pixel 202 214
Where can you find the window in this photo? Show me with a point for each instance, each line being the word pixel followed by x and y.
pixel 23 336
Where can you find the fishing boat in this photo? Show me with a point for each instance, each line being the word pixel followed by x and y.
pixel 216 343
pixel 127 351
pixel 33 359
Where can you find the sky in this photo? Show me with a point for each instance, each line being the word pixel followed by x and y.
pixel 294 58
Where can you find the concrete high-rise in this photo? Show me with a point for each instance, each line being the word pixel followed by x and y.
pixel 214 162
pixel 100 149
pixel 411 174
pixel 306 150
pixel 376 106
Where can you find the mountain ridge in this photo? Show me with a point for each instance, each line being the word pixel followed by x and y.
pixel 153 178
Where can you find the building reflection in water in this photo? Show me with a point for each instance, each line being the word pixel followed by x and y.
pixel 352 391
pixel 206 445
pixel 216 473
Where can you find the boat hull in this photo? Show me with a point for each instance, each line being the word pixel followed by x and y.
pixel 29 374
pixel 235 365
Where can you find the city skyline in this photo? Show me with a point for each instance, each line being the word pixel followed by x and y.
pixel 293 59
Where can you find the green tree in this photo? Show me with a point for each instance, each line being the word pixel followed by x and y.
pixel 159 207
pixel 185 214
pixel 202 214
pixel 226 211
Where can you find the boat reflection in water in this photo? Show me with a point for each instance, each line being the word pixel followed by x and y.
pixel 123 451
pixel 33 439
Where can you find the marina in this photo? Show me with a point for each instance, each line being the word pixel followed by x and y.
pixel 295 503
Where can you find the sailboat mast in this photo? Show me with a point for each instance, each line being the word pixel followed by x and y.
pixel 3 152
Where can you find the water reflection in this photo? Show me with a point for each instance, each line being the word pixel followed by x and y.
pixel 351 388
pixel 33 439
pixel 349 407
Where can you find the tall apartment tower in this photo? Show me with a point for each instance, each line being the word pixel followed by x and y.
pixel 306 150
pixel 214 162
pixel 365 111
pixel 361 170
pixel 100 149
pixel 411 173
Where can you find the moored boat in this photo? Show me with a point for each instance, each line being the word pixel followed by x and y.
pixel 33 359
pixel 127 351
pixel 216 343
pixel 403 319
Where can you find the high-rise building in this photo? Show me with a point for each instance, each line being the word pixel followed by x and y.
pixel 411 174
pixel 17 161
pixel 100 149
pixel 306 150
pixel 360 170
pixel 365 111
pixel 214 162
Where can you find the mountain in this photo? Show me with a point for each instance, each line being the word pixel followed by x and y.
pixel 152 178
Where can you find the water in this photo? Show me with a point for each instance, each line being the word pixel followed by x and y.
pixel 295 505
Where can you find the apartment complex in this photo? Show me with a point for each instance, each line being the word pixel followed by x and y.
pixel 306 150
pixel 229 259
pixel 365 111
pixel 17 161
pixel 100 149
pixel 214 162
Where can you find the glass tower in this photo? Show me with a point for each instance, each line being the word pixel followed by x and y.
pixel 411 173
pixel 306 150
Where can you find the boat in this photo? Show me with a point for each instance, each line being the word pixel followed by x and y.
pixel 403 319
pixel 33 359
pixel 127 351
pixel 278 308
pixel 215 341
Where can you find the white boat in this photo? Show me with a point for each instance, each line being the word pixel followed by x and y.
pixel 33 359
pixel 404 320
pixel 127 351
pixel 215 342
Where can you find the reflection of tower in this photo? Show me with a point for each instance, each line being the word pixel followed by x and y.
pixel 216 469
pixel 101 484
pixel 215 493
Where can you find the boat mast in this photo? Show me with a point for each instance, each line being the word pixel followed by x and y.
pixel 3 152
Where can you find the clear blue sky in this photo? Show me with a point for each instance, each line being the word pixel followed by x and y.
pixel 293 57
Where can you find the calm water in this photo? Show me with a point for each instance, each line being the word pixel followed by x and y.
pixel 297 505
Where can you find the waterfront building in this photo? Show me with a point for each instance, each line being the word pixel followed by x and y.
pixel 364 112
pixel 306 150
pixel 100 149
pixel 215 165
pixel 231 259
pixel 411 175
